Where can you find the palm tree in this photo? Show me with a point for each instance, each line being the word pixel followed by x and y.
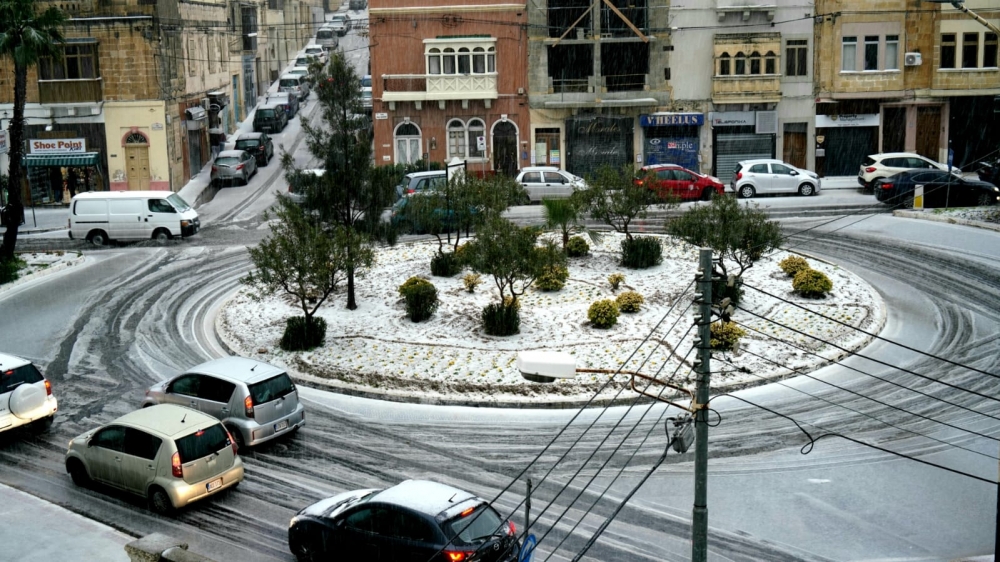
pixel 25 37
pixel 563 214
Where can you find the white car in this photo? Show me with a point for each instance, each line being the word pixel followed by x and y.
pixel 549 182
pixel 25 395
pixel 878 166
pixel 757 177
pixel 317 52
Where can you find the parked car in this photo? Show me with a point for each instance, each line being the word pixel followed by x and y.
pixel 419 181
pixel 25 395
pixel 326 37
pixel 303 61
pixel 549 182
pixel 296 191
pixel 295 82
pixel 269 118
pixel 358 5
pixel 170 455
pixel 366 92
pixel 990 171
pixel 256 402
pixel 233 165
pixel 288 100
pixel 340 23
pixel 672 179
pixel 763 176
pixel 317 52
pixel 877 166
pixel 101 216
pixel 941 189
pixel 258 145
pixel 414 521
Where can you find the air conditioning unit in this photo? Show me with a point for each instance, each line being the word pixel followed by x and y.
pixel 206 104
pixel 912 59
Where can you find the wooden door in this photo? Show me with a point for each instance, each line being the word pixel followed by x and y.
pixel 794 148
pixel 929 131
pixel 138 167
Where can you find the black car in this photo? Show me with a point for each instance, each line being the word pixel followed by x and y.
pixel 270 118
pixel 990 172
pixel 941 189
pixel 415 521
pixel 257 144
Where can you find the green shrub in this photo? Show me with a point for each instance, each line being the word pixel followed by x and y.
pixel 463 253
pixel 501 319
pixel 641 252
pixel 603 313
pixel 553 278
pixel 615 279
pixel 721 290
pixel 445 265
pixel 471 281
pixel 725 335
pixel 811 283
pixel 793 264
pixel 421 298
pixel 509 301
pixel 298 337
pixel 9 270
pixel 629 301
pixel 577 247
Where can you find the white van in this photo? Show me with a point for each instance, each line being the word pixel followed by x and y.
pixel 99 216
pixel 294 84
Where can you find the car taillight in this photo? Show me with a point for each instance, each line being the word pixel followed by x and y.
pixel 456 555
pixel 215 168
pixel 48 388
pixel 232 441
pixel 411 190
pixel 511 529
pixel 887 185
pixel 239 167
pixel 869 169
pixel 175 466
pixel 739 175
pixel 248 405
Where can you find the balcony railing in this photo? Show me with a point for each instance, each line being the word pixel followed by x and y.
pixel 746 88
pixel 433 87
pixel 70 91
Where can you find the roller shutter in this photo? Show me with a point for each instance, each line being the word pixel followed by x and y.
pixel 733 148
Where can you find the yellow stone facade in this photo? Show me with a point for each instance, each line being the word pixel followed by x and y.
pixel 747 68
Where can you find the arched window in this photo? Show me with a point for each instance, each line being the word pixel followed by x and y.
pixel 448 61
pixel 434 61
pixel 741 63
pixel 464 64
pixel 476 129
pixel 724 65
pixel 407 141
pixel 491 60
pixel 755 63
pixel 456 139
pixel 136 138
pixel 770 63
pixel 479 60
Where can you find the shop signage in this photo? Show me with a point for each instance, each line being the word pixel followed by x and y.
pixel 848 120
pixel 3 142
pixel 57 146
pixel 671 119
pixel 733 118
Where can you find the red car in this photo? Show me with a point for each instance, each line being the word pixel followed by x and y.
pixel 681 182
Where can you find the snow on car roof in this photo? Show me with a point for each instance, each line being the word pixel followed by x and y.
pixel 424 496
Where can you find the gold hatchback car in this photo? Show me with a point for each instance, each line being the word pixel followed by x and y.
pixel 169 454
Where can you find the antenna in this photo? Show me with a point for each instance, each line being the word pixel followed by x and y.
pixel 452 498
pixel 184 418
pixel 254 367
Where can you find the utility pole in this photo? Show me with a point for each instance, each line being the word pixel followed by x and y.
pixel 699 519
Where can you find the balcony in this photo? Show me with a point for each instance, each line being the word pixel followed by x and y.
pixel 439 87
pixel 764 88
pixel 70 91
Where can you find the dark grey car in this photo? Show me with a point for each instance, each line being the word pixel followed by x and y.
pixel 259 145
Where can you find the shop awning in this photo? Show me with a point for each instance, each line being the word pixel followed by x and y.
pixel 84 159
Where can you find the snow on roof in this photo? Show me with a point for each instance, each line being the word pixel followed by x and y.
pixel 424 496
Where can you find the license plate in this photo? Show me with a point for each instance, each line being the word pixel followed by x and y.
pixel 281 425
pixel 214 484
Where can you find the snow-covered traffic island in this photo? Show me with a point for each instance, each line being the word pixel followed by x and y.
pixel 376 349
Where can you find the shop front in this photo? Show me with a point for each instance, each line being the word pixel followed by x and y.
pixel 672 138
pixel 196 121
pixel 593 141
pixel 58 169
pixel 739 136
pixel 843 141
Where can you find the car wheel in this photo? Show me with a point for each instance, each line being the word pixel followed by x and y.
pixel 806 189
pixel 906 201
pixel 305 552
pixel 78 473
pixel 43 424
pixel 746 191
pixel 985 200
pixel 97 238
pixel 246 179
pixel 159 501
pixel 161 236
pixel 237 437
pixel 707 194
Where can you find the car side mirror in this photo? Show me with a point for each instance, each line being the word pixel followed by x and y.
pixel 794 173
pixel 89 443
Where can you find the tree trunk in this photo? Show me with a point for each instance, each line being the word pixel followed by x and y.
pixel 15 206
pixel 352 304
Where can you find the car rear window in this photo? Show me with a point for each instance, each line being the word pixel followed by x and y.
pixel 271 389
pixel 227 161
pixel 202 443
pixel 265 112
pixel 475 527
pixel 12 378
pixel 249 143
pixel 366 82
pixel 868 161
pixel 289 82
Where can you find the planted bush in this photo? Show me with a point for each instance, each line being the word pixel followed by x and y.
pixel 629 301
pixel 721 290
pixel 552 278
pixel 577 247
pixel 445 265
pixel 471 281
pixel 603 313
pixel 641 252
pixel 421 298
pixel 462 253
pixel 793 264
pixel 725 335
pixel 616 279
pixel 811 283
pixel 501 319
pixel 301 335
pixel 9 270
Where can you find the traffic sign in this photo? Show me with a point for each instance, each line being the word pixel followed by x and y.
pixel 527 549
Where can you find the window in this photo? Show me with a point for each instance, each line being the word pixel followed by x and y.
pixel 555 177
pixel 479 60
pixel 271 389
pixel 948 50
pixel 457 59
pixel 724 64
pixel 770 63
pixel 532 177
pixel 758 169
pixel 456 139
pixel 491 60
pixel 970 50
pixel 781 169
pixel 467 527
pixel 476 129
pixel 871 52
pixel 849 54
pixel 188 385
pixel 464 66
pixel 216 390
pixel 192 57
pixel 741 63
pixel 140 444
pixel 990 50
pixel 202 443
pixel 112 438
pixel 407 137
pixel 79 62
pixel 160 206
pixel 13 378
pixel 755 63
pixel 796 57
pixel 449 61
pixel 892 52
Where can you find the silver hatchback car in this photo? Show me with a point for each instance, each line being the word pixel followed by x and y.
pixel 234 166
pixel 256 402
